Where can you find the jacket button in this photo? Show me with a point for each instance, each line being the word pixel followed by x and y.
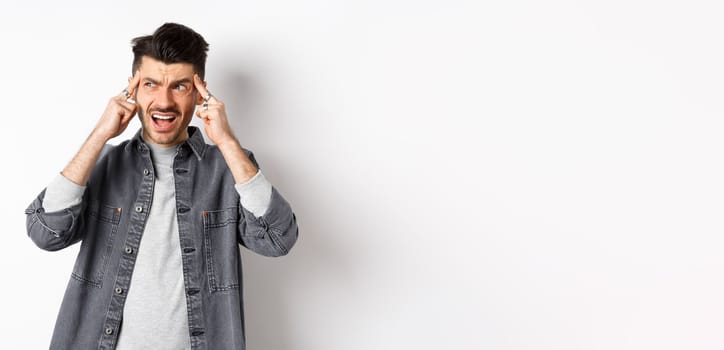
pixel 181 171
pixel 193 291
pixel 119 290
pixel 109 330
pixel 197 332
pixel 183 209
pixel 129 250
pixel 146 171
pixel 139 209
pixel 189 250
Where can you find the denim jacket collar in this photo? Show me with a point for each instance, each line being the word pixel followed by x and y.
pixel 195 142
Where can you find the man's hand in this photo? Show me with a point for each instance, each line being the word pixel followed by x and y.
pixel 114 120
pixel 217 128
pixel 216 124
pixel 119 112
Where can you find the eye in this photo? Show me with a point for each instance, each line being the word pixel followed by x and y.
pixel 149 84
pixel 181 87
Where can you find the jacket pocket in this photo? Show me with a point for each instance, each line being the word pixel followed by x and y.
pixel 221 248
pixel 101 226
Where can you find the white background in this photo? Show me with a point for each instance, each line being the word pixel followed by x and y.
pixel 466 175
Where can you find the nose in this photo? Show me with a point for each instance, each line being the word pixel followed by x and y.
pixel 164 99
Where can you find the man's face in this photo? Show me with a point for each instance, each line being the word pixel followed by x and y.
pixel 166 100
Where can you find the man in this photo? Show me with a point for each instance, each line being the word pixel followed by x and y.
pixel 160 216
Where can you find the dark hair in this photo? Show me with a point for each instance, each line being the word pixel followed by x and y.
pixel 172 43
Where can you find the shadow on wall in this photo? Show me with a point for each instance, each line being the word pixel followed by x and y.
pixel 273 285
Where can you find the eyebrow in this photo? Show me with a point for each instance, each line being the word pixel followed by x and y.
pixel 175 82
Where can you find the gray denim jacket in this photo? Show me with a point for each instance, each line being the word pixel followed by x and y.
pixel 110 221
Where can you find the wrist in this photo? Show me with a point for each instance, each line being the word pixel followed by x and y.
pixel 99 136
pixel 242 168
pixel 228 143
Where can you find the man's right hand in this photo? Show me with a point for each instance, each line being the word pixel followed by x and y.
pixel 113 122
pixel 119 112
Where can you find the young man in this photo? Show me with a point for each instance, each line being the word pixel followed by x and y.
pixel 160 216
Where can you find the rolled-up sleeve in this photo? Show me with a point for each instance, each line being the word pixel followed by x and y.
pixel 271 234
pixel 52 219
pixel 52 230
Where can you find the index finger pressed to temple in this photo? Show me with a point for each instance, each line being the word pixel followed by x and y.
pixel 200 86
pixel 133 85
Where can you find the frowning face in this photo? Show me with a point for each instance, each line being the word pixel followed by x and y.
pixel 166 100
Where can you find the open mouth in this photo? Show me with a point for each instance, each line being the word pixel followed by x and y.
pixel 163 121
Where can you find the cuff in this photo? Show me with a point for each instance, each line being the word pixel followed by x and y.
pixel 62 193
pixel 255 194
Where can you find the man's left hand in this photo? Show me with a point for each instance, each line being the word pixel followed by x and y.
pixel 213 113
